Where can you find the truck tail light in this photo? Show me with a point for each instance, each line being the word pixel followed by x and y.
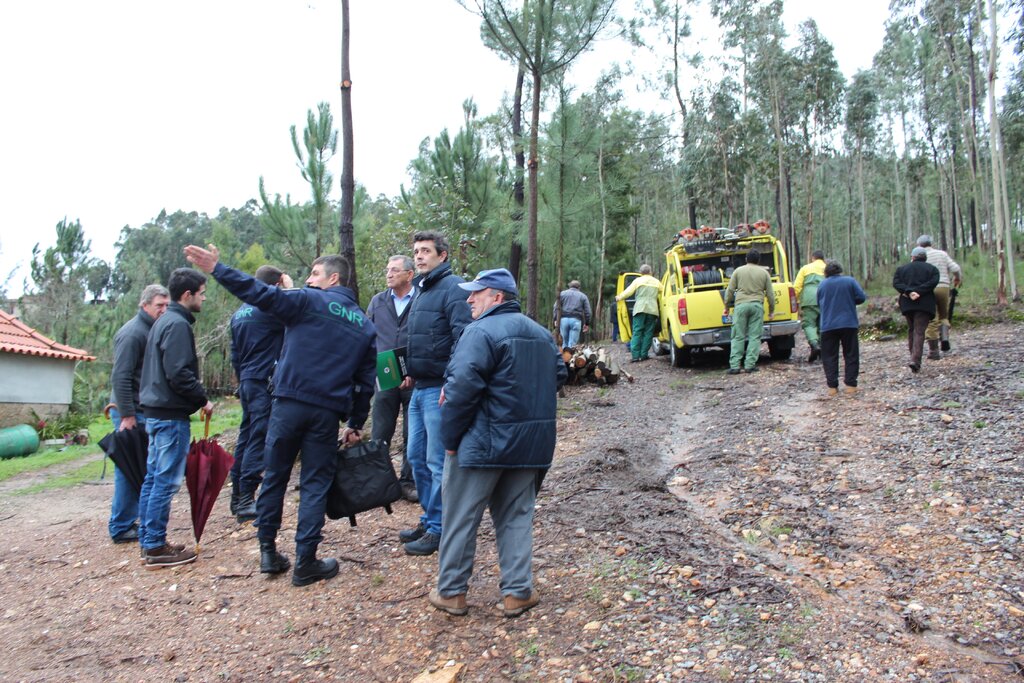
pixel 683 319
pixel 792 300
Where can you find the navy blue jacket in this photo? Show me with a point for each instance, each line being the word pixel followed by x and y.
pixel 126 373
pixel 170 388
pixel 329 356
pixel 256 339
pixel 438 315
pixel 916 276
pixel 838 297
pixel 501 392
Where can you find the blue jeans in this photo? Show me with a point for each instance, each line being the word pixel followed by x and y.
pixel 510 494
pixel 570 329
pixel 296 426
pixel 252 434
pixel 165 470
pixel 124 506
pixel 426 454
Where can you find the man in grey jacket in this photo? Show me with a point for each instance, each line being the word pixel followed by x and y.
pixel 572 314
pixel 125 413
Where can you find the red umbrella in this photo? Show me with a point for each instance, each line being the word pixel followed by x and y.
pixel 206 468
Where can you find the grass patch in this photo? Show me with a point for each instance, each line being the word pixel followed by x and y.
pixel 88 472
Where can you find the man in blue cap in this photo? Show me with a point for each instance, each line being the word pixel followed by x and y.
pixel 498 430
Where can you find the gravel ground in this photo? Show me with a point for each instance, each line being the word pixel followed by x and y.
pixel 696 526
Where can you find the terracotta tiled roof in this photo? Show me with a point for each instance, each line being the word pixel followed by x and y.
pixel 17 337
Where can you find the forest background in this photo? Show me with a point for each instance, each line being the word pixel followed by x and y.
pixel 567 182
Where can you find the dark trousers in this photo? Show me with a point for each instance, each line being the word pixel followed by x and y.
pixel 385 416
pixel 252 434
pixel 918 322
pixel 296 426
pixel 831 340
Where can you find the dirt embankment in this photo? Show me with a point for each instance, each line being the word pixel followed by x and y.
pixel 696 526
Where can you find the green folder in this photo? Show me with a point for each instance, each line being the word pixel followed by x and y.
pixel 391 368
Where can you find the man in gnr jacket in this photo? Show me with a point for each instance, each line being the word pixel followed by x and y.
pixel 326 374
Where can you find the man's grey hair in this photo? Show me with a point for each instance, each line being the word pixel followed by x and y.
pixel 924 241
pixel 407 263
pixel 645 269
pixel 151 292
pixel 509 296
pixel 574 284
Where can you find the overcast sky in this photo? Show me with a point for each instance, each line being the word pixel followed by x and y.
pixel 116 109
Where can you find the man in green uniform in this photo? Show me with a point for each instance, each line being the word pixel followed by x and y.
pixel 806 286
pixel 748 287
pixel 646 289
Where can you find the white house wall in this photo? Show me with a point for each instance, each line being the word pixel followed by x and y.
pixel 31 379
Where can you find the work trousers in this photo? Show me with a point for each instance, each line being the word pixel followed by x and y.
pixel 643 335
pixel 296 426
pixel 247 470
pixel 809 320
pixel 747 325
pixel 831 340
pixel 917 326
pixel 510 495
pixel 386 406
pixel 941 313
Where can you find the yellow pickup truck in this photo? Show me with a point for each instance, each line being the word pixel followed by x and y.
pixel 697 272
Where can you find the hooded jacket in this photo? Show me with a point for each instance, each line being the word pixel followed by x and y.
pixel 329 355
pixel 170 388
pixel 501 392
pixel 438 314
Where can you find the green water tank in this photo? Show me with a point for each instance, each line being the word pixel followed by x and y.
pixel 19 440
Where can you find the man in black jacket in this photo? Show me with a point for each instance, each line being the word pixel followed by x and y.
pixel 389 311
pixel 170 392
pixel 129 350
pixel 438 314
pixel 256 339
pixel 916 282
pixel 325 374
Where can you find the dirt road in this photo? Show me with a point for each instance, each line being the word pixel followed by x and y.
pixel 696 526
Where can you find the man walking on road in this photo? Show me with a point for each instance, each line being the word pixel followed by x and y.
pixel 838 297
pixel 572 314
pixel 125 377
pixel 949 271
pixel 749 286
pixel 806 287
pixel 438 314
pixel 169 393
pixel 256 339
pixel 916 282
pixel 325 374
pixel 498 430
pixel 646 291
pixel 389 311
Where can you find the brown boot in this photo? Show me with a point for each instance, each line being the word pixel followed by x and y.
pixel 515 606
pixel 933 349
pixel 454 605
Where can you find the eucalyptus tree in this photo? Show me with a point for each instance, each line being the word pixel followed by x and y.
pixel 861 120
pixel 542 37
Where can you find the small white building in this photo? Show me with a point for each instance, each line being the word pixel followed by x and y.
pixel 36 373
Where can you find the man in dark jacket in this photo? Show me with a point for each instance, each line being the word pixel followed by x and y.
pixel 256 339
pixel 916 282
pixel 169 393
pixel 438 313
pixel 129 350
pixel 838 296
pixel 325 374
pixel 498 430
pixel 389 311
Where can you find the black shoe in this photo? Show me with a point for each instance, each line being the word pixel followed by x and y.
pixel 914 367
pixel 944 345
pixel 131 535
pixel 733 371
pixel 815 353
pixel 410 535
pixel 310 570
pixel 246 508
pixel 235 494
pixel 754 369
pixel 271 561
pixel 409 492
pixel 427 544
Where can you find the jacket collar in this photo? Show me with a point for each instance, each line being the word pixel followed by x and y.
pixel 175 307
pixel 145 318
pixel 437 274
pixel 504 307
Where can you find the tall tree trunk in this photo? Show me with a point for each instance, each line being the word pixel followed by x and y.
pixel 518 193
pixel 598 310
pixel 1004 244
pixel 533 164
pixel 346 231
pixel 865 268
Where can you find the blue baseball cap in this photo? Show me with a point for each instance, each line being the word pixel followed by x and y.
pixel 498 278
